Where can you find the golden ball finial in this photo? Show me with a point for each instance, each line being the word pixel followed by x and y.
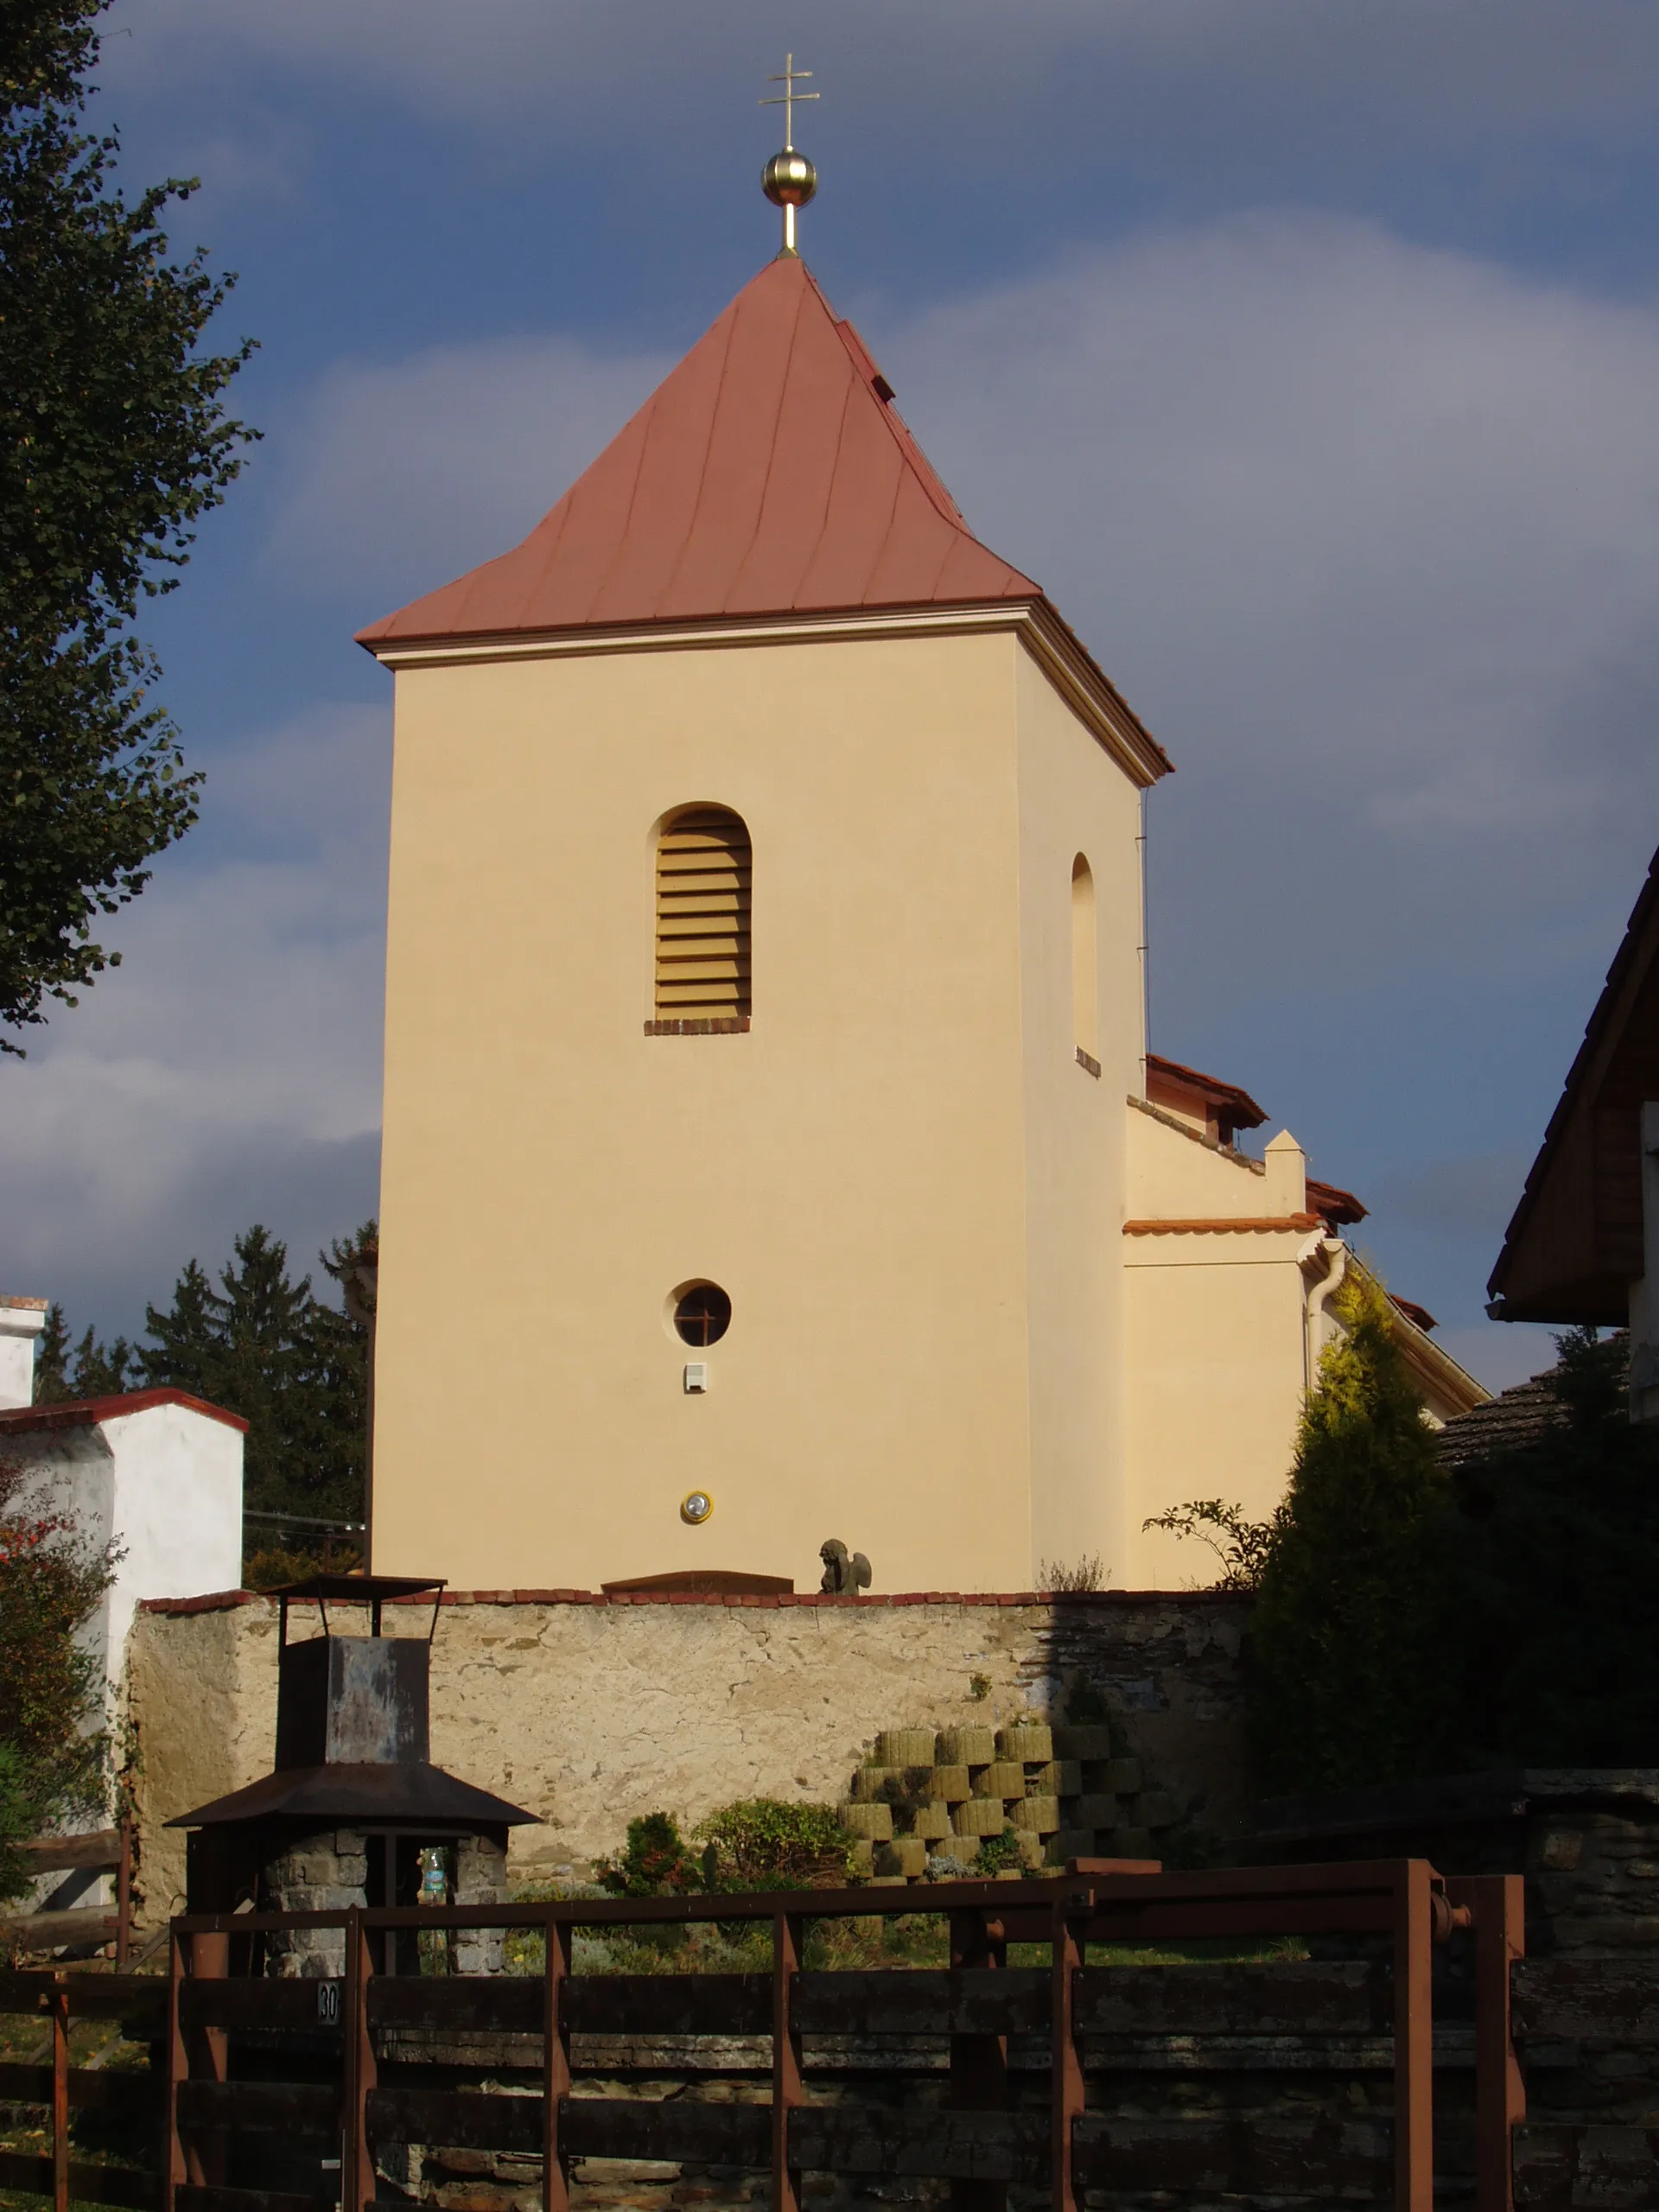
pixel 789 180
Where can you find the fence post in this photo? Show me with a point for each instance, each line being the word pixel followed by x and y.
pixel 60 2003
pixel 123 1898
pixel 556 2081
pixel 178 2069
pixel 210 1961
pixel 1414 2040
pixel 1499 1906
pixel 199 2156
pixel 356 2161
pixel 1067 2065
pixel 979 2064
pixel 786 2092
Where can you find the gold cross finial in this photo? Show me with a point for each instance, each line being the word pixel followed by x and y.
pixel 789 180
pixel 792 76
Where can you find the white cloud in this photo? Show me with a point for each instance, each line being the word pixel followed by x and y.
pixel 405 474
pixel 1370 534
pixel 230 1069
pixel 1243 72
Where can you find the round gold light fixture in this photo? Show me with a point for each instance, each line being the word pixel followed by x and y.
pixel 696 1507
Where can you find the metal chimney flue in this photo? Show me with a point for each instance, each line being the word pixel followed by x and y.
pixel 351 1699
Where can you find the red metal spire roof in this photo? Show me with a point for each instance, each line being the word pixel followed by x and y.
pixel 767 475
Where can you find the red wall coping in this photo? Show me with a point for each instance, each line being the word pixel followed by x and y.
pixel 224 1600
pixel 87 1412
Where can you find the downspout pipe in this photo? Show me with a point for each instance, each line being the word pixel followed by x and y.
pixel 1319 1298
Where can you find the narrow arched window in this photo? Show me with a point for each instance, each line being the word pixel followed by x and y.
pixel 1084 991
pixel 703 920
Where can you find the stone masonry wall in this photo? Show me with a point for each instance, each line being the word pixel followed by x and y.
pixel 589 1711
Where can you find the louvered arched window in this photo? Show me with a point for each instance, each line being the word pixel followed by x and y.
pixel 703 922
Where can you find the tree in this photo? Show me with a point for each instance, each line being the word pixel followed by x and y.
pixel 1347 1653
pixel 113 444
pixel 100 1370
pixel 1241 1545
pixel 53 1745
pixel 1551 1623
pixel 261 1345
pixel 52 1359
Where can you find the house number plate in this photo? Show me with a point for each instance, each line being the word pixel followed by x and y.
pixel 327 2003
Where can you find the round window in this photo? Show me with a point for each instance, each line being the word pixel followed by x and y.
pixel 703 1313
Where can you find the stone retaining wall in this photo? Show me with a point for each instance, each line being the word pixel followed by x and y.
pixel 1586 1996
pixel 589 1711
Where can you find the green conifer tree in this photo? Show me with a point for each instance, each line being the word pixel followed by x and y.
pixel 103 1371
pixel 52 1359
pixel 99 1371
pixel 186 1353
pixel 1346 1672
pixel 262 1346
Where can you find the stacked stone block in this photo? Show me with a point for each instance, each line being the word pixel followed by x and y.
pixel 930 1795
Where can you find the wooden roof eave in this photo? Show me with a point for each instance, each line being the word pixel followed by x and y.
pixel 1627 975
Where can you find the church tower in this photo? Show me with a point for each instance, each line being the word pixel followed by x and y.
pixel 763 995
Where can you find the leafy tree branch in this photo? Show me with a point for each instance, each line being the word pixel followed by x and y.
pixel 113 444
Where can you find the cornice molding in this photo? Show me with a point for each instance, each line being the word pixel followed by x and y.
pixel 1081 683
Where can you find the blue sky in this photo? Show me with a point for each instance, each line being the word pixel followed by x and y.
pixel 1306 350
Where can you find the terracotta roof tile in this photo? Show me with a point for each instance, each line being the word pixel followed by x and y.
pixel 1413 1313
pixel 767 475
pixel 1239 1108
pixel 88 1412
pixel 1224 1225
pixel 1338 1208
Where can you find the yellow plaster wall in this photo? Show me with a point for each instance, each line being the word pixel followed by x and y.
pixel 1215 1344
pixel 1174 1177
pixel 1215 1362
pixel 854 1171
pixel 1072 801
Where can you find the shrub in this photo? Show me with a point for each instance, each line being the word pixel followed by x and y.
pixel 999 1854
pixel 655 1862
pixel 18 1821
pixel 1347 1681
pixel 1551 1624
pixel 761 1843
pixel 274 1564
pixel 1242 1546
pixel 1089 1572
pixel 52 1689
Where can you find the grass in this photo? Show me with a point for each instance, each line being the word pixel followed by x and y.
pixel 25 2040
pixel 741 1947
pixel 898 1940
